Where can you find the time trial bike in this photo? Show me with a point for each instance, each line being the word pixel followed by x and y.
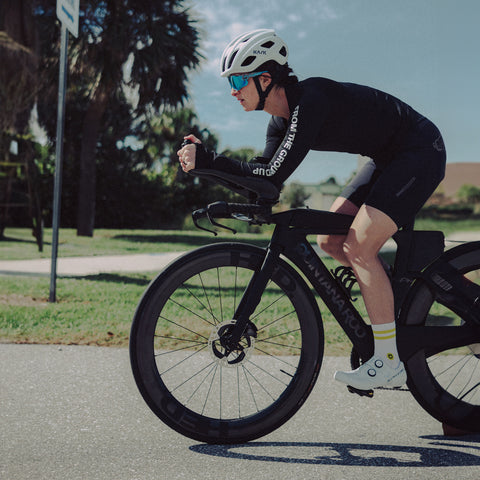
pixel 227 341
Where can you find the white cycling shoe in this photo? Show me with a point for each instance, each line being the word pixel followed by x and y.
pixel 373 374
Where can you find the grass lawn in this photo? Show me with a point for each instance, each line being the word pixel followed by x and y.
pixel 19 244
pixel 94 310
pixel 91 310
pixel 98 309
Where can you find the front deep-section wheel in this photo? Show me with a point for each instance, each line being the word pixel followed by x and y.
pixel 447 383
pixel 180 364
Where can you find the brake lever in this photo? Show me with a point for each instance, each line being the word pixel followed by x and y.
pixel 213 222
pixel 219 225
pixel 195 221
pixel 203 228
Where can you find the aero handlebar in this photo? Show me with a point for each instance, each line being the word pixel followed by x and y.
pixel 252 213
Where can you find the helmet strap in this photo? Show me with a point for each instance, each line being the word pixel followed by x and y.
pixel 262 94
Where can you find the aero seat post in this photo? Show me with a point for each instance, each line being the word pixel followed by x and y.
pixel 415 250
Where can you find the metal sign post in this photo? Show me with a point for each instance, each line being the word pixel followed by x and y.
pixel 57 188
pixel 68 13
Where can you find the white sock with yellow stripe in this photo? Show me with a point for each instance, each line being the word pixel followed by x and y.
pixel 385 339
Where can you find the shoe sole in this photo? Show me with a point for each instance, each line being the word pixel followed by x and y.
pixel 391 383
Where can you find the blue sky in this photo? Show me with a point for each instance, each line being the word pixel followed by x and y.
pixel 426 52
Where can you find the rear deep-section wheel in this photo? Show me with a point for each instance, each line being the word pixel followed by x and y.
pixel 447 383
pixel 180 364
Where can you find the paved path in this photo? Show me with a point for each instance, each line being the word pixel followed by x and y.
pixel 81 266
pixel 75 413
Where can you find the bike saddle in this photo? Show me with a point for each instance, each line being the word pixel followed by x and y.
pixel 264 190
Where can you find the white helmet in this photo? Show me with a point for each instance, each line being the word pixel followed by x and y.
pixel 248 51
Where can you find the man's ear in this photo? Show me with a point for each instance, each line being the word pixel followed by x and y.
pixel 265 81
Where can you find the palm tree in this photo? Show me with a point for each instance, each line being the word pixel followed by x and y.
pixel 140 50
pixel 18 89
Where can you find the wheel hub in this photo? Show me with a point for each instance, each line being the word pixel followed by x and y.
pixel 225 356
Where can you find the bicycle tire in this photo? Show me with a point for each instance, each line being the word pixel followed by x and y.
pixel 174 343
pixel 447 384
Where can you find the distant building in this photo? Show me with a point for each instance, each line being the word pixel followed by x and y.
pixel 457 175
pixel 322 194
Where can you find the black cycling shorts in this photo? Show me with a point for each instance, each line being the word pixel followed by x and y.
pixel 401 184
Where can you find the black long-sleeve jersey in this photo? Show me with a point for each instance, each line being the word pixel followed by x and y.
pixel 329 116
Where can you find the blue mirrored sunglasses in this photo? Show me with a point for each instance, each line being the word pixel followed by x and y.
pixel 239 81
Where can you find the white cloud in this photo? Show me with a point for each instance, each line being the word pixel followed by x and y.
pixel 222 20
pixel 294 17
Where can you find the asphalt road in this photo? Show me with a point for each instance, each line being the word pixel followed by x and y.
pixel 75 413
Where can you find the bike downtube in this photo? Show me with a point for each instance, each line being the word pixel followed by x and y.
pixel 303 255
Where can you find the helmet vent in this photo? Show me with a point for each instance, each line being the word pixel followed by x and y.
pixel 283 52
pixel 248 61
pixel 267 44
pixel 232 58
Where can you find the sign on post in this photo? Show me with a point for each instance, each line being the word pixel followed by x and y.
pixel 68 13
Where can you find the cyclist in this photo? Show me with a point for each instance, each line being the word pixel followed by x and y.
pixel 407 164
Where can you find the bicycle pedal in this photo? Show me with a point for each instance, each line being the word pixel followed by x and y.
pixel 362 393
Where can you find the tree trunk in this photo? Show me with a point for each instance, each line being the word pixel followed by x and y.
pixel 17 21
pixel 18 78
pixel 88 166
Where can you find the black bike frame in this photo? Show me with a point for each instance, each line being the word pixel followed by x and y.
pixel 291 242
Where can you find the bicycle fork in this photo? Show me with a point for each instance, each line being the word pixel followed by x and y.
pixel 251 298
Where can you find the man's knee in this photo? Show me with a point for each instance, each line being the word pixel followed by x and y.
pixel 351 250
pixel 359 253
pixel 331 244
